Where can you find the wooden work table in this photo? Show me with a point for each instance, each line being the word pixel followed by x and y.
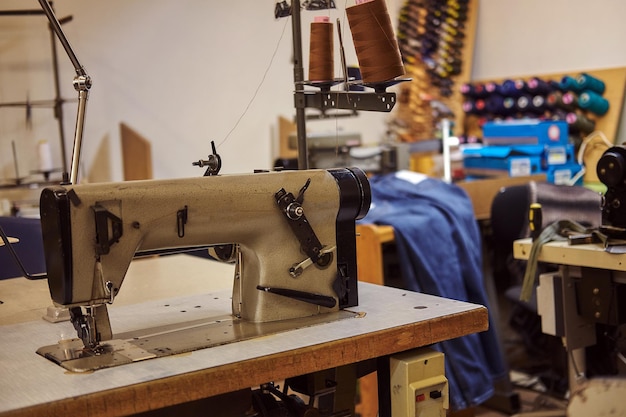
pixel 389 321
pixel 592 255
pixel 583 293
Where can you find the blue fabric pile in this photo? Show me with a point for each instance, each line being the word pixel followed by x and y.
pixel 439 248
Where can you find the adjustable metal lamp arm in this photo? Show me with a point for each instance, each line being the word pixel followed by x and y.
pixel 82 83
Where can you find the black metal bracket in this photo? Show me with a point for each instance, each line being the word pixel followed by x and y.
pixel 213 164
pixel 307 297
pixel 181 221
pixel 106 221
pixel 346 100
pixel 294 213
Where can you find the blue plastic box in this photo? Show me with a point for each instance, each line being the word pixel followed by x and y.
pixel 521 160
pixel 512 161
pixel 563 174
pixel 526 132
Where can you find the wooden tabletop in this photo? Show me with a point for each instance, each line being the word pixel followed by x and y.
pixel 389 321
pixel 590 255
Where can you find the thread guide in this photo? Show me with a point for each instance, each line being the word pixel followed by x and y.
pixel 326 99
pixel 323 98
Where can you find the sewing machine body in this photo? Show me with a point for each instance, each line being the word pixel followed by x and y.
pixel 92 232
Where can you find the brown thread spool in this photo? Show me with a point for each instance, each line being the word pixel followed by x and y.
pixel 375 41
pixel 321 60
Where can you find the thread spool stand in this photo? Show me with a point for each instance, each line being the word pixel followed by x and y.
pixel 379 100
pixel 324 98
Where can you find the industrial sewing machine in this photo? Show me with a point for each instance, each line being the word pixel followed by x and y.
pixel 583 302
pixel 290 233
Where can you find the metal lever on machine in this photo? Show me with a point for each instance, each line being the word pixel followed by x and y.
pixel 105 222
pixel 309 243
pixel 307 297
pixel 297 269
pixel 213 164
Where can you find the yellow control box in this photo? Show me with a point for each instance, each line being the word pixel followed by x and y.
pixel 419 387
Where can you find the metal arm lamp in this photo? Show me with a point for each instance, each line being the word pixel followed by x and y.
pixel 82 83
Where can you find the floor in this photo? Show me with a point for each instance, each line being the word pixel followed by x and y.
pixel 529 400
pixel 533 393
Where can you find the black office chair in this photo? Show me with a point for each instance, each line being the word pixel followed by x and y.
pixel 509 214
pixel 544 354
pixel 29 249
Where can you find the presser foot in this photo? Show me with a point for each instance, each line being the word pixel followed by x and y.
pixel 72 355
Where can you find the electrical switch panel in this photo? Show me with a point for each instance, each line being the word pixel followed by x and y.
pixel 419 387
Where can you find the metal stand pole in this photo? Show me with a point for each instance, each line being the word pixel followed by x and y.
pixel 82 84
pixel 298 78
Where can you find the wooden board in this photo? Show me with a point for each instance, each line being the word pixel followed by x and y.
pixel 136 155
pixel 589 255
pixel 285 128
pixel 369 241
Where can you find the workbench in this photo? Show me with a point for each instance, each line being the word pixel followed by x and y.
pixel 583 296
pixel 388 321
pixel 561 253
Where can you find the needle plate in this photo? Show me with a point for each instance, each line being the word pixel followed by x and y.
pixel 172 339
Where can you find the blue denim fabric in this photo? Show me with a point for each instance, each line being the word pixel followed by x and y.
pixel 439 248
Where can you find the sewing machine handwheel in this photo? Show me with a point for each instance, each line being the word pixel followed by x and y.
pixel 611 167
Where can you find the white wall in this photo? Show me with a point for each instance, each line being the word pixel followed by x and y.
pixel 548 36
pixel 182 72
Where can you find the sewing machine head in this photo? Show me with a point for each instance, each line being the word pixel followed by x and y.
pixel 294 234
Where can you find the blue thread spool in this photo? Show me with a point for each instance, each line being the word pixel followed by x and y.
pixel 494 104
pixel 537 86
pixel 593 102
pixel 569 84
pixel 512 88
pixel 554 85
pixel 493 88
pixel 588 82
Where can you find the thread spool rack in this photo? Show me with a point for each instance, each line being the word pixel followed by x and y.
pixel 322 97
pixel 423 103
pixel 608 124
pixel 379 100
